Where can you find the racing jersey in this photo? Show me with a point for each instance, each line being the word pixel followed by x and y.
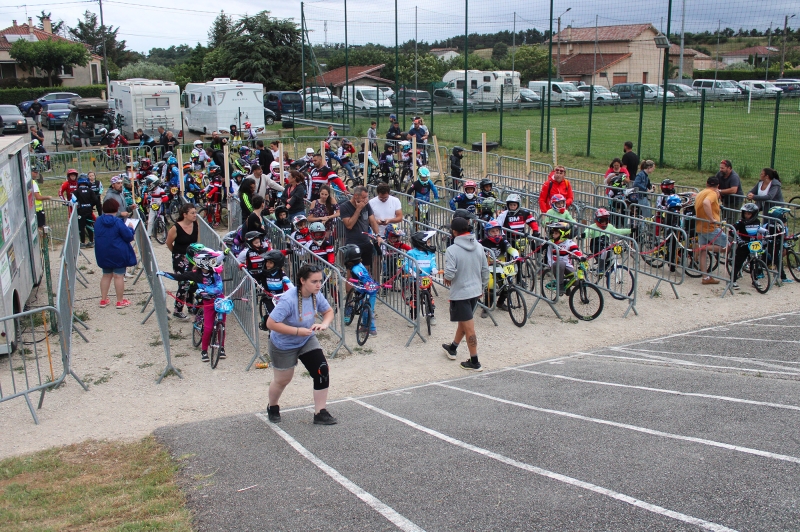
pixel 426 262
pixel 323 176
pixel 563 252
pixel 68 188
pixel 461 201
pixel 499 249
pixel 325 251
pixel 277 282
pixel 518 220
pixel 423 191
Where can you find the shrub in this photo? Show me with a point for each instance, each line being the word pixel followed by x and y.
pixel 19 95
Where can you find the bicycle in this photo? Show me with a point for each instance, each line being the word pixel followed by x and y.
pixel 174 204
pixel 424 304
pixel 212 211
pixel 160 224
pixel 222 307
pixel 504 285
pixel 759 273
pixel 582 293
pixel 109 158
pixel 616 274
pixel 791 259
pixel 359 303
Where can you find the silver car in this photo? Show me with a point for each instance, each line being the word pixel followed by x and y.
pixel 600 93
pixel 684 92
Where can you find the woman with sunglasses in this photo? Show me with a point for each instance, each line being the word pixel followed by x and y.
pixel 293 338
pixel 557 183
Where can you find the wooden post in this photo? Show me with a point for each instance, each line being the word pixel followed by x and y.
pixel 322 149
pixel 365 175
pixel 227 169
pixel 180 171
pixel 527 152
pixel 414 156
pixel 438 159
pixel 555 148
pixel 483 154
pixel 280 159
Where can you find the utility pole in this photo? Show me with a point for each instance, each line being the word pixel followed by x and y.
pixel 716 63
pixel 303 57
pixel 466 74
pixel 546 134
pixel 666 81
pixel 558 59
pixel 514 52
pixel 769 45
pixel 396 66
pixel 683 20
pixel 783 51
pixel 416 56
pixel 105 56
pixel 594 69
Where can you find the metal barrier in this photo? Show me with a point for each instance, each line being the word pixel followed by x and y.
pixel 158 294
pixel 397 273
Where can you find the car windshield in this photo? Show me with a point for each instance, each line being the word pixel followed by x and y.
pixel 726 84
pixel 569 87
pixel 58 107
pixel 9 110
pixel 291 97
pixel 373 94
pixel 601 89
pixel 770 85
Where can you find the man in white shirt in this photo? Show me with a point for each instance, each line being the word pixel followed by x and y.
pixel 386 208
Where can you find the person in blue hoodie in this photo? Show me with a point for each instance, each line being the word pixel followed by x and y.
pixel 113 252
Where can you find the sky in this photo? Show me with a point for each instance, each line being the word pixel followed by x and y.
pixel 148 24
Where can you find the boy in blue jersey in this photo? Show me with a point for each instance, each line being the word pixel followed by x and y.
pixel 351 257
pixel 274 280
pixel 422 189
pixel 424 253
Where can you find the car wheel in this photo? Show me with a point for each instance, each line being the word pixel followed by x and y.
pixel 269 120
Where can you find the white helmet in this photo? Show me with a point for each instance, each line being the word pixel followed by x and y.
pixel 114 132
pixel 198 143
pixel 513 198
pixel 310 151
pixel 102 131
pixel 317 230
pixel 152 179
pixel 275 168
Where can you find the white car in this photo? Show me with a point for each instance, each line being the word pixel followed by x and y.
pixel 324 104
pixel 763 88
pixel 659 90
pixel 600 93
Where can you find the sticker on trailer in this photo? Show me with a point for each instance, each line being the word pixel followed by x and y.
pixel 5 274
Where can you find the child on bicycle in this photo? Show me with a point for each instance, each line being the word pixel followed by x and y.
pixel 424 253
pixel 422 189
pixel 498 248
pixel 207 267
pixel 282 219
pixel 776 217
pixel 560 258
pixel 301 232
pixel 748 228
pixel 190 187
pixel 156 194
pixel 275 281
pixel 392 241
pixel 558 210
pixel 488 200
pixel 467 200
pixel 386 159
pixel 251 258
pixel 599 241
pixel 320 244
pixel 351 258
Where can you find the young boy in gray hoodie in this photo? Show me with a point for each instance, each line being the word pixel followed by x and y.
pixel 466 272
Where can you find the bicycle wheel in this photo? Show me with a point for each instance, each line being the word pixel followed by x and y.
pixel 792 263
pixel 549 284
pixel 114 163
pixel 364 321
pixel 655 257
pixel 161 230
pixel 197 330
pixel 172 210
pixel 425 308
pixel 619 281
pixel 517 307
pixel 693 265
pixel 526 276
pixel 348 304
pixel 58 165
pixel 760 275
pixel 263 312
pixel 586 301
pixel 217 342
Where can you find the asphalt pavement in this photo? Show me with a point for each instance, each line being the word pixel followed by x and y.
pixel 696 430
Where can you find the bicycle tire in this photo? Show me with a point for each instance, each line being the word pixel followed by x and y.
pixel 161 230
pixel 113 163
pixel 364 321
pixel 616 280
pixel 217 339
pixel 526 276
pixel 581 298
pixel 59 166
pixel 348 302
pixel 792 262
pixel 172 210
pixel 424 308
pixel 197 332
pixel 693 266
pixel 760 275
pixel 515 302
pixel 549 284
pixel 657 257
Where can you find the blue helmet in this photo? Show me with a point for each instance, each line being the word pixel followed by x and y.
pixel 673 201
pixel 172 160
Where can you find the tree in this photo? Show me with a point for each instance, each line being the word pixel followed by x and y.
pixel 499 51
pixel 89 32
pixel 191 70
pixel 430 69
pixel 147 70
pixel 169 57
pixel 531 62
pixel 51 56
pixel 220 29
pixel 259 49
pixel 58 27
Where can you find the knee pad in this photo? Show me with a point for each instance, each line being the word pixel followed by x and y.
pixel 321 378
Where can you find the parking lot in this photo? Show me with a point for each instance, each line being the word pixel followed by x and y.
pixel 696 430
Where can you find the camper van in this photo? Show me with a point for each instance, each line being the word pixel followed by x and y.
pixel 217 104
pixel 484 86
pixel 20 254
pixel 365 97
pixel 145 104
pixel 560 91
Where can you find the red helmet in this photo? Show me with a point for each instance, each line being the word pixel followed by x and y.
pixel 493 224
pixel 326 146
pixel 555 200
pixel 468 184
pixel 601 217
pixel 72 171
pixel 247 124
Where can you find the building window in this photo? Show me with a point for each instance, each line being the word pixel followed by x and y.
pixel 8 70
pixel 66 72
pixel 194 100
pixel 95 76
pixel 603 74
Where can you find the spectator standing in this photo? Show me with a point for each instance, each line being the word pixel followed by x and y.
pixel 466 273
pixel 395 134
pixel 730 186
pixel 710 236
pixel 246 191
pixel 35 112
pixel 115 193
pixel 629 159
pixel 386 208
pixel 265 184
pixel 264 155
pixel 767 190
pixel 557 183
pixel 113 252
pixel 255 222
pixel 324 209
pixel 38 201
pixel 358 219
pixel 85 132
pixel 179 237
pixel 37 134
pixel 295 194
pixel 172 142
pixel 372 136
pixel 162 140
pixel 642 183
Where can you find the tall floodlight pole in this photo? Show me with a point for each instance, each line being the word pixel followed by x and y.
pixel 396 65
pixel 416 74
pixel 666 81
pixel 783 51
pixel 549 78
pixel 683 20
pixel 466 68
pixel 105 57
pixel 513 52
pixel 347 68
pixel 303 55
pixel 558 59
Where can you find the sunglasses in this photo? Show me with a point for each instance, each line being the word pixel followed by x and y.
pixel 561 172
pixel 313 268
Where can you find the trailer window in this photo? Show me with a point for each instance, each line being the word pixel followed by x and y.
pixel 460 84
pixel 487 79
pixel 149 103
pixel 194 100
pixel 487 88
pixel 473 83
pixel 208 100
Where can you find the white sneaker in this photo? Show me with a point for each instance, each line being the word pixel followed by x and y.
pixel 433 320
pixel 735 286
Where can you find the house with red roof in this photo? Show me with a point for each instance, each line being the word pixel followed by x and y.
pixel 77 76
pixel 354 75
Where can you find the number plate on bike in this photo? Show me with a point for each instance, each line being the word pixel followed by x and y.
pixel 173 190
pixel 509 269
pixel 425 283
pixel 189 195
pixel 155 206
pixel 755 246
pixel 617 250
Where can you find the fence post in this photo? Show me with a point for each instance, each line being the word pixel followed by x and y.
pixel 483 154
pixel 702 121
pixel 180 172
pixel 501 115
pixel 527 152
pixel 641 118
pixel 414 156
pixel 775 130
pixel 431 128
pixel 591 109
pixel 541 125
pixel 438 159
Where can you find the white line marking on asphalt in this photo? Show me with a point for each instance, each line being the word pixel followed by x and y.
pixel 772 325
pixel 748 339
pixel 664 390
pixel 651 432
pixel 376 504
pixel 649 359
pixel 707 525
pixel 773 367
pixel 726 357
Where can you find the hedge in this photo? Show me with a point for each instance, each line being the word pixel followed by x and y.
pixel 17 96
pixel 739 75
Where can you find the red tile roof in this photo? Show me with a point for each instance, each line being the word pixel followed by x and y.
pixel 337 78
pixel 623 33
pixel 41 35
pixel 753 50
pixel 582 64
pixel 675 49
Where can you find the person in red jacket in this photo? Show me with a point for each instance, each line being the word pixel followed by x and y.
pixel 69 186
pixel 557 183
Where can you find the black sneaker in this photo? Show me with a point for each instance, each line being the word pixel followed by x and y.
pixel 324 418
pixel 274 414
pixel 204 356
pixel 451 353
pixel 180 315
pixel 221 353
pixel 502 306
pixel 468 364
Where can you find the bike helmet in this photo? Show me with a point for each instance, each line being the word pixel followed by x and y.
pixel 346 141
pixel 488 204
pixel 147 163
pixel 558 203
pixel 493 231
pixel 601 218
pixel 421 240
pixel 114 133
pixel 35 144
pixel 458 151
pixel 668 186
pixel 172 160
pixel 473 186
pixel 318 233
pixel 464 213
pixel 351 255
pixel 252 236
pixel 513 198
pixel 198 143
pixel 309 151
pixel 244 151
pixel 300 219
pixel 276 258
pixel 83 178
pixel 423 174
pixel 167 155
pixel 326 145
pixel 486 183
pixel 779 213
pixel 71 171
pixel 193 250
pixel 102 131
pixel 205 260
pixel 248 125
pixel 274 169
pixel 632 195
pixel 393 233
pixel 405 146
pixel 673 202
pixel 152 179
pixel 558 230
pixel 187 167
pixel 752 208
pixel 280 209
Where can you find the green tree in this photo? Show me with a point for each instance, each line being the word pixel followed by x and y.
pixel 369 54
pixel 499 51
pixel 50 56
pixel 476 62
pixel 147 70
pixel 191 70
pixel 169 57
pixel 429 69
pixel 90 32
pixel 531 62
pixel 220 29
pixel 57 27
pixel 259 49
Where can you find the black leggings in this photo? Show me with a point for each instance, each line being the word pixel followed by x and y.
pixel 186 289
pixel 86 227
pixel 317 367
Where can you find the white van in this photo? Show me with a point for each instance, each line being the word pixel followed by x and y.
pixel 765 88
pixel 560 91
pixel 485 86
pixel 365 97
pixel 216 104
pixel 145 104
pixel 721 89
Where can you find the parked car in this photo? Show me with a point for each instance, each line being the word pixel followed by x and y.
pixel 561 92
pixel 324 104
pixel 411 99
pixel 684 92
pixel 659 90
pixel 47 99
pixel 87 117
pixel 765 88
pixel 54 115
pixel 387 91
pixel 720 89
pixel 13 121
pixel 529 96
pixel 451 98
pixel 601 93
pixel 284 102
pixel 789 86
pixel 269 116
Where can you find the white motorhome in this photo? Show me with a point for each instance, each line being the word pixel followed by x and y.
pixel 365 97
pixel 146 104
pixel 485 86
pixel 216 104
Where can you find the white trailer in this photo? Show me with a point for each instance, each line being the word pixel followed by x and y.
pixel 484 86
pixel 146 104
pixel 216 104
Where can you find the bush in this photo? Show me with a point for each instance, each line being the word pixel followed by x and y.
pixel 25 83
pixel 17 96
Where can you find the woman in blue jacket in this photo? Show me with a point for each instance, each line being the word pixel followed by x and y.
pixel 113 252
pixel 642 183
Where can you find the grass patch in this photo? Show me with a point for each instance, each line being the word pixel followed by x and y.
pixel 180 355
pixel 101 379
pixel 83 315
pixel 654 293
pixel 145 365
pixel 119 355
pixel 155 342
pixel 93 486
pixel 570 320
pixel 177 335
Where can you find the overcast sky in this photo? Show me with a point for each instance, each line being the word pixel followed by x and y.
pixel 145 25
